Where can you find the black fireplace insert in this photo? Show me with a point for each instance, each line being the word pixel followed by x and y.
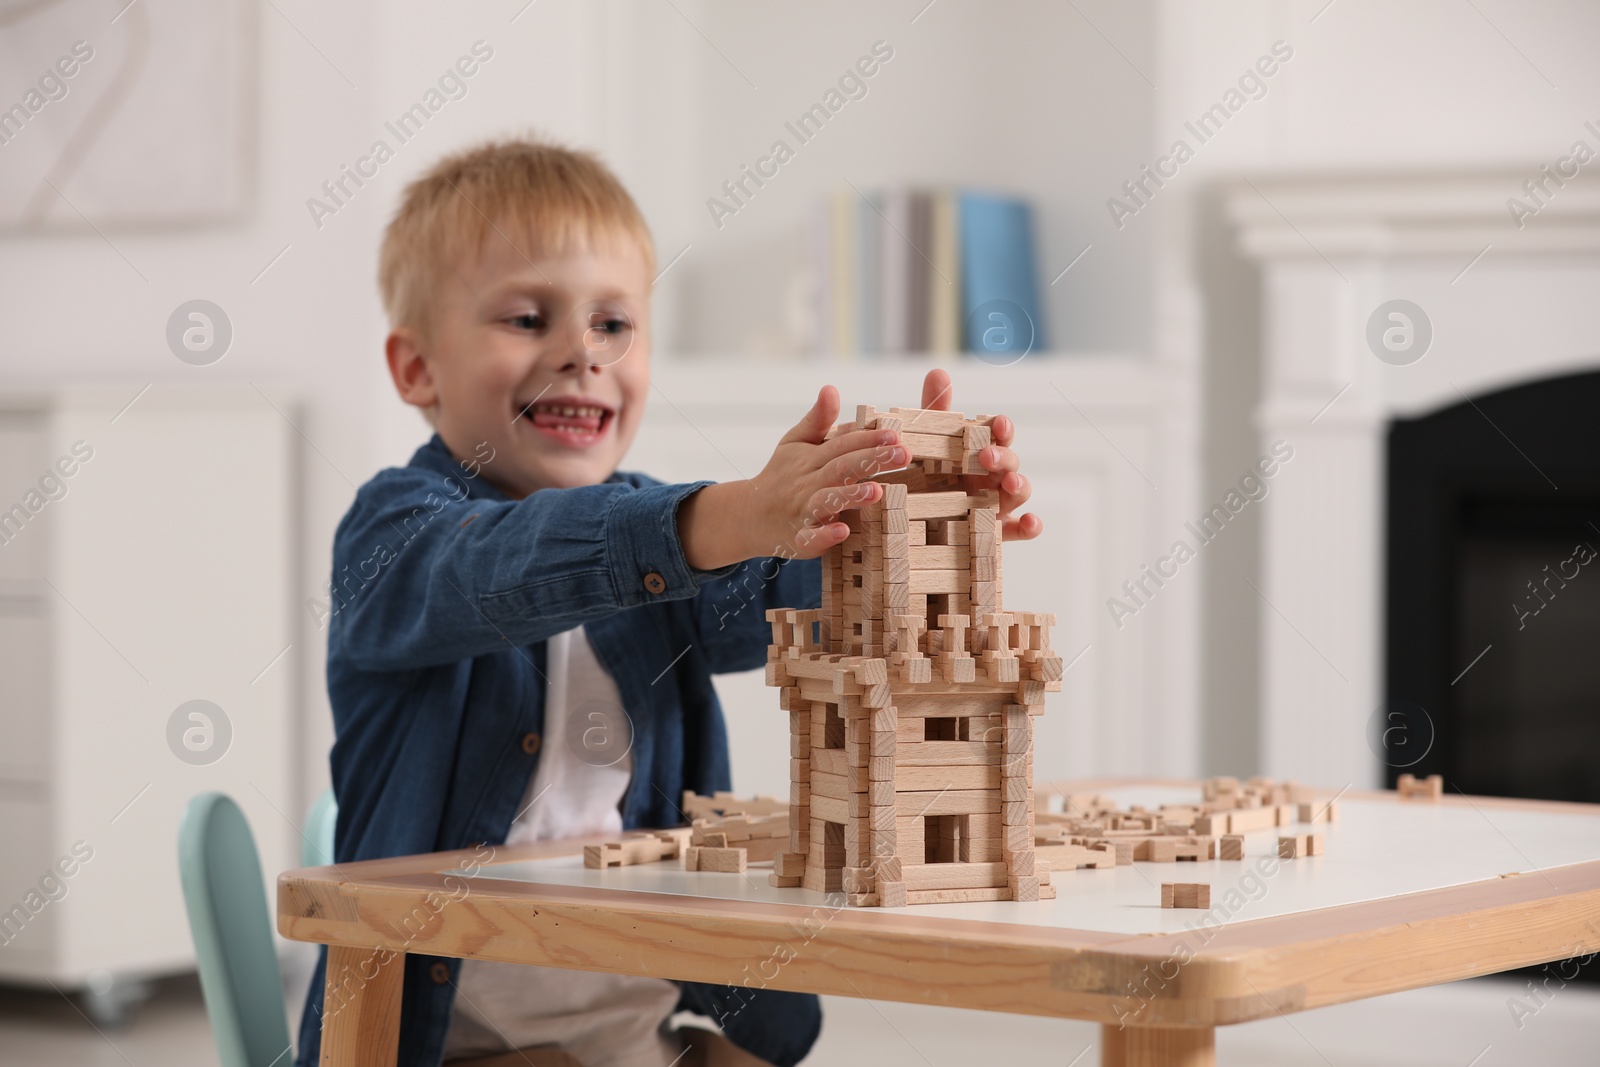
pixel 1493 593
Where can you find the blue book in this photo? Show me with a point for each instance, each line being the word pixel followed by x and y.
pixel 1000 309
pixel 869 233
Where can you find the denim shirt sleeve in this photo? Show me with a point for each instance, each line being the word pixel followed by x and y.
pixel 423 578
pixel 731 611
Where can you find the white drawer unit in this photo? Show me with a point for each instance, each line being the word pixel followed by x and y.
pixel 146 560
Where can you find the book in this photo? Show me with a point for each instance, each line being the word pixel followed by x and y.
pixel 918 326
pixel 999 295
pixel 944 285
pixel 842 282
pixel 895 253
pixel 869 242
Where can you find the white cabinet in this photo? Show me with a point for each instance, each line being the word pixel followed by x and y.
pixel 1109 442
pixel 146 560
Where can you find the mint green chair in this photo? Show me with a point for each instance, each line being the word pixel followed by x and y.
pixel 316 840
pixel 232 926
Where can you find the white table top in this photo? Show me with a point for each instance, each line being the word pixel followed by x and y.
pixel 1377 849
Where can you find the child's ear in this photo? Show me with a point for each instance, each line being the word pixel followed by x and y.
pixel 413 379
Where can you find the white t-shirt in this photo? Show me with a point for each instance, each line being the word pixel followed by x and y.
pixel 584 767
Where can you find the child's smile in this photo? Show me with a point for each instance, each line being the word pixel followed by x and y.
pixel 573 421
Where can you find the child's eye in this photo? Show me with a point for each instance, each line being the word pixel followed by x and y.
pixel 610 325
pixel 530 321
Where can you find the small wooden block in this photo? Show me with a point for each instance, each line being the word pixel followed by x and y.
pixel 1293 847
pixel 858 879
pixel 1023 887
pixel 721 860
pixel 1233 846
pixel 783 881
pixel 891 894
pixel 1319 811
pixel 1314 843
pixel 1412 788
pixel 1185 895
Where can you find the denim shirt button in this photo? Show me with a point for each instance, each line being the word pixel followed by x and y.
pixel 440 973
pixel 655 583
pixel 530 743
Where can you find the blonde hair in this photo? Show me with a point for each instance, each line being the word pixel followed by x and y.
pixel 527 192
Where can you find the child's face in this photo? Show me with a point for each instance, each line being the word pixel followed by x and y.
pixel 542 363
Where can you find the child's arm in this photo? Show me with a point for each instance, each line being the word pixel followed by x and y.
pixel 422 578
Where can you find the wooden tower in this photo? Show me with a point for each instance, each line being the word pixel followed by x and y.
pixel 912 693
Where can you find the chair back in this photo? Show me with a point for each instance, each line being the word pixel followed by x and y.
pixel 232 930
pixel 316 840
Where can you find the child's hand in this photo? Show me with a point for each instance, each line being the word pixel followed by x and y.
pixel 792 507
pixel 997 459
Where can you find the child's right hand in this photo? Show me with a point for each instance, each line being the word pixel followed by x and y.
pixel 792 507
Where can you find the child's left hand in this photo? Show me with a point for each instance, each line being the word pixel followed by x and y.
pixel 997 459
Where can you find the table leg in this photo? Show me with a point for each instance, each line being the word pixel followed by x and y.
pixel 361 1007
pixel 1157 1046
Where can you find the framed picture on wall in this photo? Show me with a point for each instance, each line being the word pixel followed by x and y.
pixel 125 114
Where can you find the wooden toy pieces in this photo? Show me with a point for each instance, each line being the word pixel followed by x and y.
pixel 1412 788
pixel 648 848
pixel 1091 829
pixel 911 694
pixel 1185 895
pixel 1299 845
pixel 726 833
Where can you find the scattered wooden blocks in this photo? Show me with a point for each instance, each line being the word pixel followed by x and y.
pixel 1299 845
pixel 1412 788
pixel 1185 895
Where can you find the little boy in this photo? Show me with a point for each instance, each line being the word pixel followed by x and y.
pixel 509 593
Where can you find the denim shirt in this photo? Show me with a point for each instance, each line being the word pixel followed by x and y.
pixel 444 592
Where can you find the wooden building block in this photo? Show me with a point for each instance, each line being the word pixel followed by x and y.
pixel 1319 811
pixel 1073 855
pixel 730 861
pixel 1412 788
pixel 1185 895
pixel 1299 846
pixel 627 852
pixel 930 420
pixel 1233 846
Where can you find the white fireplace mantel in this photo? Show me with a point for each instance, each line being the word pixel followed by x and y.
pixel 1506 305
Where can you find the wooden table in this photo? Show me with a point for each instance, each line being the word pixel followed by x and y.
pixel 1408 894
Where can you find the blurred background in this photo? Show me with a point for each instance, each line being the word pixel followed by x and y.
pixel 1303 286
